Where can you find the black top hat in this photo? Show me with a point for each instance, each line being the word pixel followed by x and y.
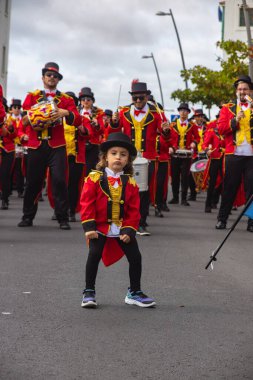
pixel 119 139
pixel 108 112
pixel 199 112
pixel 86 92
pixel 52 66
pixel 73 96
pixel 139 87
pixel 245 79
pixel 184 106
pixel 16 102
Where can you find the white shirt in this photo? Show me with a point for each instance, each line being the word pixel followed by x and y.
pixel 47 91
pixel 141 115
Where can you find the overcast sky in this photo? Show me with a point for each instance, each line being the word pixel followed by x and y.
pixel 99 44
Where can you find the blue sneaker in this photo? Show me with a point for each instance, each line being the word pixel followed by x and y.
pixel 89 299
pixel 139 298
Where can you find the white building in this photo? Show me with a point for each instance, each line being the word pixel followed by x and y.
pixel 233 24
pixel 5 13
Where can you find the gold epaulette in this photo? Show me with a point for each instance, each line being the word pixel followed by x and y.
pixel 66 95
pixel 35 93
pixel 228 105
pixel 93 176
pixel 132 181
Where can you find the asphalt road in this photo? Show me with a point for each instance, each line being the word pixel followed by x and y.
pixel 202 327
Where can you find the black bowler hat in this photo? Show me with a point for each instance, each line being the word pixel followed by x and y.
pixel 73 96
pixel 16 102
pixel 118 139
pixel 108 112
pixel 86 93
pixel 245 79
pixel 52 66
pixel 184 106
pixel 139 88
pixel 199 112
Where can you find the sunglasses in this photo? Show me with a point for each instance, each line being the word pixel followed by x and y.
pixel 86 98
pixel 52 75
pixel 136 97
pixel 18 107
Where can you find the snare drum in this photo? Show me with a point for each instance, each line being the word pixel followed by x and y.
pixel 183 153
pixel 40 115
pixel 19 150
pixel 140 165
pixel 197 170
pixel 202 155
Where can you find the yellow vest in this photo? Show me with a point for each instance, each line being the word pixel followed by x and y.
pixel 116 196
pixel 244 130
pixel 69 133
pixel 139 126
pixel 201 135
pixel 182 131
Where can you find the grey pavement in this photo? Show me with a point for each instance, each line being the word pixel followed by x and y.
pixel 202 327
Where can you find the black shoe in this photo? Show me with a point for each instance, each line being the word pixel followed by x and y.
pixel 158 213
pixel 165 207
pixel 41 199
pixel 208 209
pixel 25 223
pixel 5 205
pixel 173 201
pixel 192 198
pixel 20 195
pixel 221 225
pixel 250 228
pixel 143 231
pixel 185 203
pixel 214 206
pixel 64 225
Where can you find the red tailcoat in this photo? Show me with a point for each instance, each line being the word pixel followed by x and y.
pixel 95 133
pixel 96 210
pixel 228 126
pixel 150 130
pixel 213 137
pixel 7 142
pixel 191 135
pixel 56 133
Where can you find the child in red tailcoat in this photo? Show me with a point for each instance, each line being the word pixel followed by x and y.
pixel 110 218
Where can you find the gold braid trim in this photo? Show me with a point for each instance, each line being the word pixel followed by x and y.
pixel 93 176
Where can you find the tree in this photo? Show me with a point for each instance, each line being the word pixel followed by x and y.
pixel 213 87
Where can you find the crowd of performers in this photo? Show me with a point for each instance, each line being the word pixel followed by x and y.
pixel 62 155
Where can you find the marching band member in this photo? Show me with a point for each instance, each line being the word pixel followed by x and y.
pixel 236 126
pixel 107 118
pixel 93 121
pixel 8 133
pixel 47 148
pixel 142 122
pixel 184 136
pixel 213 145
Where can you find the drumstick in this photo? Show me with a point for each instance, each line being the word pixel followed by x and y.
pixel 153 102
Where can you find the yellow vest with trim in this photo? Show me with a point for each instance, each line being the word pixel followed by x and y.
pixel 116 196
pixel 182 132
pixel 69 133
pixel 139 126
pixel 244 131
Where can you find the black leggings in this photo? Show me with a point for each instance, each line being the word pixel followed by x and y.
pixel 133 255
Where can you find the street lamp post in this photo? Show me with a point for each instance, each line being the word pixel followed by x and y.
pixel 178 39
pixel 158 77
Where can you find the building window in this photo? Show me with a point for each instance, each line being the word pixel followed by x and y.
pixel 3 61
pixel 242 19
pixel 6 7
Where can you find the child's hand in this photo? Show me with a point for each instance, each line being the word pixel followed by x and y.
pixel 125 238
pixel 91 235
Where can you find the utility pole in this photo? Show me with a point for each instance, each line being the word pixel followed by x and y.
pixel 250 45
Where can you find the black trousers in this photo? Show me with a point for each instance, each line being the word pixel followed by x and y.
pixel 18 175
pixel 162 176
pixel 180 169
pixel 38 161
pixel 133 255
pixel 192 184
pixel 6 168
pixel 91 157
pixel 144 196
pixel 236 168
pixel 214 170
pixel 75 174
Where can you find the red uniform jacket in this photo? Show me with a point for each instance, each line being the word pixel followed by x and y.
pixel 7 142
pixel 96 209
pixel 56 133
pixel 150 130
pixel 227 126
pixel 213 137
pixel 191 135
pixel 95 133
